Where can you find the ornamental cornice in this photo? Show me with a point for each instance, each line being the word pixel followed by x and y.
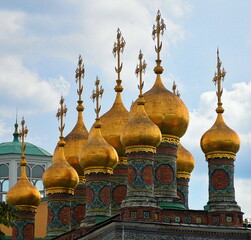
pixel 140 148
pixel 98 170
pixel 228 155
pixel 54 190
pixel 170 139
pixel 122 161
pixel 26 208
pixel 181 174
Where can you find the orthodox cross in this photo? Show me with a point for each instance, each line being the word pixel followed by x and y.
pixel 95 96
pixel 118 48
pixel 22 135
pixel 175 91
pixel 140 68
pixel 60 115
pixel 80 71
pixel 218 77
pixel 157 30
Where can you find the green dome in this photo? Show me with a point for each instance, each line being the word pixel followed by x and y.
pixel 14 147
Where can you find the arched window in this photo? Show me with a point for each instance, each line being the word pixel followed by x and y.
pixel 36 178
pixel 4 181
pixel 27 171
pixel 37 172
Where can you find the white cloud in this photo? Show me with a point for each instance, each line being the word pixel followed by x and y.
pixel 94 32
pixel 243 195
pixel 11 25
pixel 19 86
pixel 237 115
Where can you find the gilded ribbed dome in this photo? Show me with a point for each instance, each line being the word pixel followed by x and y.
pixel 23 194
pixel 220 138
pixel 112 124
pixel 74 142
pixel 60 177
pixel 165 109
pixel 140 130
pixel 185 161
pixel 114 120
pixel 98 155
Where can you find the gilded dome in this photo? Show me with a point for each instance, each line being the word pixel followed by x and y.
pixel 23 194
pixel 112 124
pixel 185 161
pixel 140 130
pixel 74 142
pixel 60 177
pixel 165 109
pixel 220 138
pixel 97 155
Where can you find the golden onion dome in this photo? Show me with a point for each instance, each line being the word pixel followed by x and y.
pixel 165 109
pixel 140 130
pixel 220 138
pixel 112 124
pixel 24 195
pixel 114 120
pixel 185 162
pixel 98 156
pixel 75 141
pixel 60 177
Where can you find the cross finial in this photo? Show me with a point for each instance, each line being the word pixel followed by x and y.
pixel 218 78
pixel 95 96
pixel 60 115
pixel 175 91
pixel 22 135
pixel 80 72
pixel 157 30
pixel 140 68
pixel 117 49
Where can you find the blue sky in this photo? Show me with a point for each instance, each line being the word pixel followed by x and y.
pixel 39 46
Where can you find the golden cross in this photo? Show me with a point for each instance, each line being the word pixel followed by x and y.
pixel 157 30
pixel 80 71
pixel 95 96
pixel 175 91
pixel 60 115
pixel 22 135
pixel 140 68
pixel 117 49
pixel 218 77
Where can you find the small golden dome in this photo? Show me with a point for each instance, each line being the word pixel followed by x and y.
pixel 165 109
pixel 23 194
pixel 185 161
pixel 112 124
pixel 98 155
pixel 74 142
pixel 140 130
pixel 220 138
pixel 60 177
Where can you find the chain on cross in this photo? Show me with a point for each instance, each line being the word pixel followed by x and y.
pixel 117 49
pixel 60 115
pixel 140 68
pixel 157 30
pixel 22 134
pixel 218 78
pixel 95 96
pixel 80 71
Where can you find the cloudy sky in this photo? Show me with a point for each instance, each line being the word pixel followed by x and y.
pixel 39 46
